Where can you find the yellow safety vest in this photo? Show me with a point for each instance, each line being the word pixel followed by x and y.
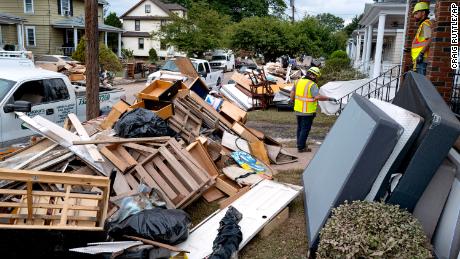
pixel 419 41
pixel 304 102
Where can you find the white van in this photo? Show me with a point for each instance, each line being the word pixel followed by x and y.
pixel 223 60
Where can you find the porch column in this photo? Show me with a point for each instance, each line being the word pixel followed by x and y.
pixel 105 38
pixel 364 57
pixel 119 44
pixel 379 47
pixel 20 29
pixel 368 46
pixel 358 49
pixel 75 37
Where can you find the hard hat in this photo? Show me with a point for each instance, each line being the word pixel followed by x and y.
pixel 421 6
pixel 315 71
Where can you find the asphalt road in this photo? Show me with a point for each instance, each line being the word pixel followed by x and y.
pixel 134 88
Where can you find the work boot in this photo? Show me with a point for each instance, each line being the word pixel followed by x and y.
pixel 304 150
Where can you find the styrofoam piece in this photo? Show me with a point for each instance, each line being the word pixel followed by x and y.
pixel 429 208
pixel 106 247
pixel 446 240
pixel 348 162
pixel 258 206
pixel 237 96
pixel 411 124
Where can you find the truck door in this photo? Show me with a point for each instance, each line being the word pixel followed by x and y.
pixel 210 80
pixel 45 95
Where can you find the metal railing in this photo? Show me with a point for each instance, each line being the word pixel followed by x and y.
pixel 384 87
pixel 455 93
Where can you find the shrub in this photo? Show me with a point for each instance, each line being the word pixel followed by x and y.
pixel 339 54
pixel 153 57
pixel 372 230
pixel 127 53
pixel 107 58
pixel 337 64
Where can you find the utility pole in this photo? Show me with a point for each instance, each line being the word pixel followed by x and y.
pixel 92 64
pixel 293 9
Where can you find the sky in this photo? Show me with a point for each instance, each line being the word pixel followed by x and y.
pixel 346 9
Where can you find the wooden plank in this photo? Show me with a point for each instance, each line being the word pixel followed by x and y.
pixel 155 243
pixel 159 181
pixel 186 158
pixel 47 205
pixel 234 197
pixel 121 140
pixel 118 155
pixel 201 155
pixel 186 67
pixel 275 223
pixel 213 194
pixel 54 194
pixel 38 155
pixel 226 185
pixel 242 131
pixel 140 147
pixel 179 168
pixel 92 149
pixel 230 110
pixel 29 201
pixel 65 208
pixel 168 175
pixel 45 217
pixel 117 110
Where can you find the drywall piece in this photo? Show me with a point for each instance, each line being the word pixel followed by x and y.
pixel 446 240
pixel 431 203
pixel 440 131
pixel 259 206
pixel 348 162
pixel 237 96
pixel 106 247
pixel 61 136
pixel 411 124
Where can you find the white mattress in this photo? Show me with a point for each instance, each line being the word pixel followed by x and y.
pixel 409 122
pixel 338 89
pixel 237 97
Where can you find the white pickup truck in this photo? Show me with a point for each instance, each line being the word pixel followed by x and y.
pixel 45 93
pixel 210 77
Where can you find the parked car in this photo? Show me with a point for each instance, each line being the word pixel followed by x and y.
pixel 247 62
pixel 45 93
pixel 223 60
pixel 211 77
pixel 57 60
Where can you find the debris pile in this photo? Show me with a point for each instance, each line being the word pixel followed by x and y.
pixel 156 155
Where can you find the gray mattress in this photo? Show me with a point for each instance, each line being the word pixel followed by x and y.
pixel 348 162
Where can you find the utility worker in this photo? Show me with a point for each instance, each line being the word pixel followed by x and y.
pixel 421 43
pixel 305 95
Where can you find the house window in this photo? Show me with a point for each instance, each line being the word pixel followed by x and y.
pixel 148 8
pixel 28 6
pixel 65 7
pixel 30 36
pixel 141 43
pixel 137 25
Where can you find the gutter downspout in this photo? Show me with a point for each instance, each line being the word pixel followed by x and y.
pixel 405 32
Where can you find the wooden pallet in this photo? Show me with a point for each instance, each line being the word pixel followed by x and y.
pixel 185 123
pixel 173 172
pixel 70 208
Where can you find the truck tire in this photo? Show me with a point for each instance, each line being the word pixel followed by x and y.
pixel 225 69
pixel 218 82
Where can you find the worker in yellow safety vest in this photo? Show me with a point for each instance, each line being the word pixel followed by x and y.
pixel 422 40
pixel 305 95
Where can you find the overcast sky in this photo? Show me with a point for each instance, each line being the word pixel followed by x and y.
pixel 346 9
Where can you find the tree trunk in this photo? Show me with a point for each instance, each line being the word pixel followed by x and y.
pixel 92 65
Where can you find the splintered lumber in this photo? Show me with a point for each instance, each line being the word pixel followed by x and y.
pixel 119 157
pixel 114 140
pixel 92 149
pixel 117 110
pixel 68 209
pixel 157 244
pixel 173 172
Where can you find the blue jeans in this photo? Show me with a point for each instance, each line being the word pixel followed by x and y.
pixel 303 129
pixel 421 68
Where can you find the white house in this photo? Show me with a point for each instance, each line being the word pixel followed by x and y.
pixel 144 18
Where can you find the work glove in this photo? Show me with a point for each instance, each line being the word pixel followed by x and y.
pixel 420 58
pixel 333 100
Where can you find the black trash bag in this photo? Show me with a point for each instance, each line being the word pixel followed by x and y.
pixel 162 225
pixel 141 122
pixel 229 236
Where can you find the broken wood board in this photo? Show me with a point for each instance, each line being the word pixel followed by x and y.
pixel 233 198
pixel 230 110
pixel 227 185
pixel 114 140
pixel 186 67
pixel 275 223
pixel 157 244
pixel 258 206
pixel 117 110
pixel 243 132
pixel 173 172
pixel 184 123
pixel 68 206
pixel 201 155
pixel 119 157
pixel 61 136
pixel 81 131
pixel 213 194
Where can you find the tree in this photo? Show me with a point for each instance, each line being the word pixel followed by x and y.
pixel 113 20
pixel 353 25
pixel 334 23
pixel 203 29
pixel 239 9
pixel 153 57
pixel 107 59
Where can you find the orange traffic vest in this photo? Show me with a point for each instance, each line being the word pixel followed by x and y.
pixel 304 101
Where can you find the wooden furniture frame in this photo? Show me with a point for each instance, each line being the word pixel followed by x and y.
pixel 68 209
